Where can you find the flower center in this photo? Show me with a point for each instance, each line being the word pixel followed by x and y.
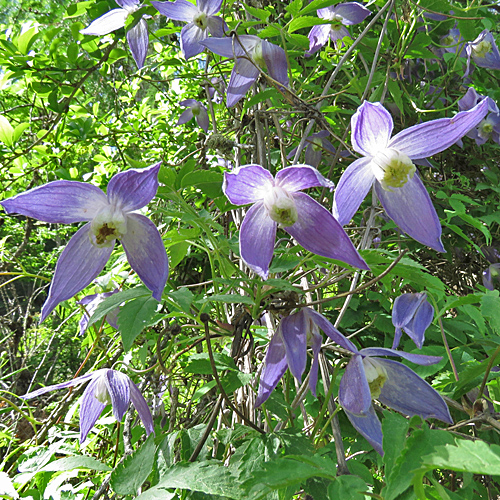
pixel 201 21
pixel 482 48
pixel 485 128
pixel 376 375
pixel 108 225
pixel 195 109
pixel 101 391
pixel 280 206
pixel 317 144
pixel 392 168
pixel 257 56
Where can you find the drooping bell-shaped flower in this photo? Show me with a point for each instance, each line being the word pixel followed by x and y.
pixel 453 43
pixel 137 35
pixel 109 217
pixel 483 51
pixel 340 15
pixel 412 313
pixel 388 164
pixel 279 201
pixel 368 376
pixel 196 110
pixel 251 55
pixel 106 386
pixel 201 20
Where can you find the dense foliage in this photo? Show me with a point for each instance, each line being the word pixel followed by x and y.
pixel 221 358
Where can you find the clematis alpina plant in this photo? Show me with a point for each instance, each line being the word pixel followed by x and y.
pixel 483 51
pixel 252 54
pixel 109 217
pixel 288 348
pixel 201 21
pixel 106 386
pixel 340 15
pixel 137 35
pixel 90 303
pixel 196 110
pixel 368 377
pixel 388 164
pixel 278 201
pixel 413 314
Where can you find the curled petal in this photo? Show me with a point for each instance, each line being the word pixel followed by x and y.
pixel 142 408
pixel 410 207
pixel 293 332
pixel 319 232
pixel 247 184
pixel 354 391
pixel 111 21
pixel 186 115
pixel 191 36
pixel 318 36
pixel 118 385
pixel 58 202
pixel 134 188
pixel 274 367
pixel 90 409
pixel 275 58
pixel 244 74
pixel 138 40
pixel 352 189
pixel 79 263
pixel 146 253
pixel 180 10
pixel 300 177
pixel 406 392
pixel 368 425
pixel 257 237
pixel 371 127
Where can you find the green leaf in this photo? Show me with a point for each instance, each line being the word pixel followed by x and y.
pixel 133 317
pixel 229 299
pixel 347 487
pixel 294 7
pixel 396 93
pixel 304 22
pixel 207 181
pixel 76 462
pixel 6 131
pixel 261 14
pixel 317 4
pixel 490 308
pixel 129 476
pixel 77 9
pixel 18 131
pixel 183 298
pixel 394 429
pixel 200 363
pixel 27 39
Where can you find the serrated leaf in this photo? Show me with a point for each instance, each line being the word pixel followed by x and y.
pixel 133 317
pixel 129 476
pixel 76 462
pixel 294 7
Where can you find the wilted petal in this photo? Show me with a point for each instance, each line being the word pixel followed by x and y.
pixel 293 332
pixel 410 207
pixel 90 408
pixel 247 184
pixel 79 263
pixel 371 127
pixel 191 36
pixel 275 366
pixel 318 36
pixel 429 138
pixel 142 407
pixel 111 21
pixel 352 189
pixel 319 232
pixel 354 391
pixel 275 59
pixel 368 425
pixel 180 10
pixel 300 177
pixel 138 40
pixel 257 237
pixel 186 115
pixel 118 385
pixel 406 392
pixel 418 359
pixel 146 253
pixel 351 12
pixel 58 202
pixel 244 74
pixel 134 188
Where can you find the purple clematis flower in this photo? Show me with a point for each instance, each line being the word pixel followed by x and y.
pixel 109 218
pixel 106 386
pixel 387 163
pixel 288 347
pixel 90 303
pixel 395 385
pixel 490 126
pixel 252 54
pixel 413 314
pixel 201 21
pixel 137 35
pixel 491 275
pixel 483 51
pixel 196 110
pixel 340 15
pixel 453 43
pixel 317 144
pixel 278 201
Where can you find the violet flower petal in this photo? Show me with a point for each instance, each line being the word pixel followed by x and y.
pixel 70 383
pixel 79 263
pixel 227 47
pixel 276 63
pixel 111 21
pixel 352 189
pixel 146 253
pixel 368 425
pixel 118 385
pixel 186 115
pixel 257 237
pixel 210 7
pixel 142 408
pixel 202 119
pixel 90 408
pixel 406 392
pixel 338 33
pixel 419 323
pixel 247 184
pixel 319 232
pixel 418 359
pixel 354 391
pixel 216 26
pixel 127 4
pixel 313 156
pixel 405 307
pixel 318 36
pixel 484 52
pixel 244 74
pixel 191 36
pixel 134 188
pixel 180 10
pixel 138 40
pixel 351 12
pixel 410 207
pixel 301 177
pixel 58 202
pixel 294 335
